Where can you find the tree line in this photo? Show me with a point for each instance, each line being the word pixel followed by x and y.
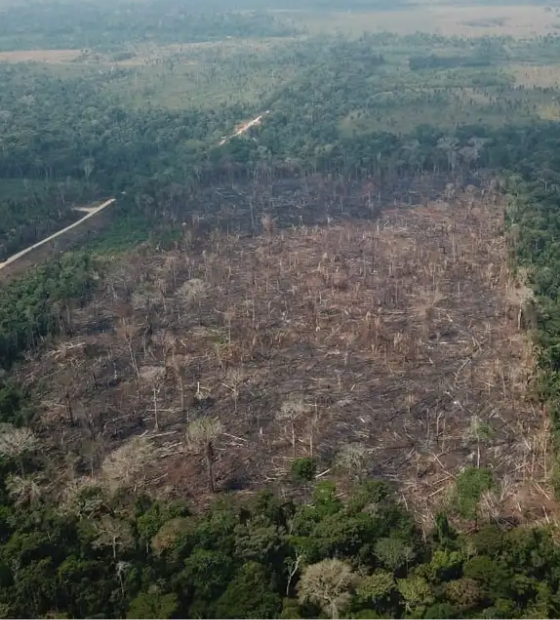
pixel 109 26
pixel 112 552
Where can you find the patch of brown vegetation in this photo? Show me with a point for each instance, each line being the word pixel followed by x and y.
pixel 47 56
pixel 444 18
pixel 397 336
pixel 543 76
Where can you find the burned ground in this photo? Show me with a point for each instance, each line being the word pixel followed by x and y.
pixel 398 335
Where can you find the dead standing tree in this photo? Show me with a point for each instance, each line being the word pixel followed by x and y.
pixel 353 459
pixel 113 533
pixel 125 467
pixel 200 437
pixel 25 491
pixel 16 443
pixel 234 380
pixel 290 411
pixel 155 377
pixel 179 363
pixel 128 332
pixel 268 225
pixel 327 584
pixel 191 292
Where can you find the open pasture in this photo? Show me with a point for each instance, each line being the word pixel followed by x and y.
pixel 445 18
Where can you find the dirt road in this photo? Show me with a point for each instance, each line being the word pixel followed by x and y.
pixel 245 127
pixel 90 212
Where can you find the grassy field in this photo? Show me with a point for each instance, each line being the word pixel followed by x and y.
pixel 446 19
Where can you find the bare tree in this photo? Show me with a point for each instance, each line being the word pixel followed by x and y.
pixel 229 315
pixel 92 451
pixel 155 377
pixel 166 341
pixel 88 166
pixel 170 266
pixel 113 533
pixel 268 224
pixel 519 295
pixel 25 491
pixel 142 299
pixel 200 436
pixel 15 443
pixel 289 413
pixel 78 499
pixel 327 584
pixel 191 292
pixel 125 467
pixel 179 363
pixel 481 432
pixel 353 458
pixel 121 568
pixel 292 566
pixel 128 333
pixel 235 378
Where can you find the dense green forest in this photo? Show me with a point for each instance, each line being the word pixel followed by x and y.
pixel 360 558
pixel 119 119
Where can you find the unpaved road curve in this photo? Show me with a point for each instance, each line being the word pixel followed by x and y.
pixel 90 213
pixel 245 127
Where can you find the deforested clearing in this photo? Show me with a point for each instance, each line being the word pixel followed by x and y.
pixel 391 347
